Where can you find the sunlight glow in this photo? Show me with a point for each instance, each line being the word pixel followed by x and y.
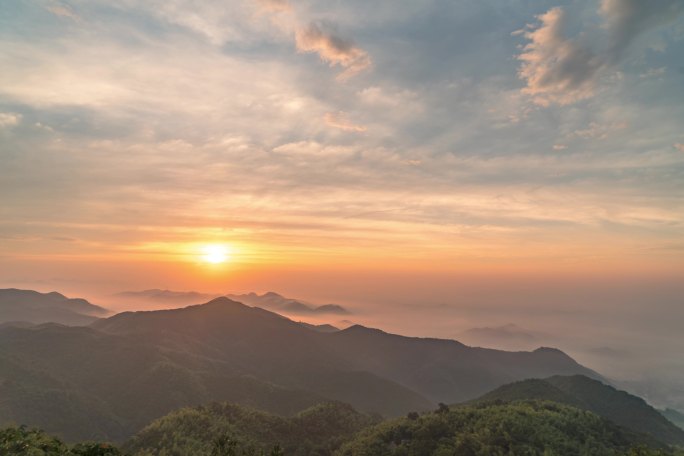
pixel 215 253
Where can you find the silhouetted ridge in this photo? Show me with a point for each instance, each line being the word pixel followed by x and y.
pixel 550 350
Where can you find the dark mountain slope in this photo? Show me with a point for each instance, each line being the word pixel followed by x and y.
pixel 618 406
pixel 267 345
pixel 82 384
pixel 34 307
pixel 445 370
pixel 248 340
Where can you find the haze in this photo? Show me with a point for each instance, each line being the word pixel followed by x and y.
pixel 434 166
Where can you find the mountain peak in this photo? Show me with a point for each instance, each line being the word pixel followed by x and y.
pixel 55 295
pixel 550 350
pixel 271 294
pixel 223 300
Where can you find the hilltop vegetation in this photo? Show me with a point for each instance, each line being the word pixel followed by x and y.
pixel 517 428
pixel 20 441
pixel 316 431
pixel 617 406
pixel 529 428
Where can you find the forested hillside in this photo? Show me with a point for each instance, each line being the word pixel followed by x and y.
pixel 617 406
pixel 529 428
pixel 195 431
pixel 517 428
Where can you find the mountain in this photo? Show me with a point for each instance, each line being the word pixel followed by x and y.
pixel 269 346
pixel 194 431
pixel 620 407
pixel 166 296
pixel 277 303
pixel 107 380
pixel 445 370
pixel 81 383
pixel 34 307
pixel 509 335
pixel 249 340
pixel 518 428
pixel 321 328
pixel 674 416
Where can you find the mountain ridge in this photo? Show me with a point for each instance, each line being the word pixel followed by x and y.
pixel 17 305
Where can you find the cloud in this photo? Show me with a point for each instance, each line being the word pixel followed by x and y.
pixel 333 49
pixel 627 19
pixel 9 119
pixel 340 120
pixel 557 69
pixel 312 148
pixel 598 131
pixel 274 6
pixel 61 10
pixel 563 70
pixel 653 72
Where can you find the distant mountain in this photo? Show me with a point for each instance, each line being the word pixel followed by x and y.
pixel 277 303
pixel 674 416
pixel 33 307
pixel 518 428
pixel 509 335
pixel 617 406
pixel 321 328
pixel 166 296
pixel 193 431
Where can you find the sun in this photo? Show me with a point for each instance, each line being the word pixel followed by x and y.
pixel 216 253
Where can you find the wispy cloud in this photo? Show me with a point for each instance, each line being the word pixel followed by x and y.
pixel 274 6
pixel 625 20
pixel 563 70
pixel 341 121
pixel 557 69
pixel 62 10
pixel 9 119
pixel 323 40
pixel 596 130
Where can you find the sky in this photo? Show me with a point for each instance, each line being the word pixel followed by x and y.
pixel 435 165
